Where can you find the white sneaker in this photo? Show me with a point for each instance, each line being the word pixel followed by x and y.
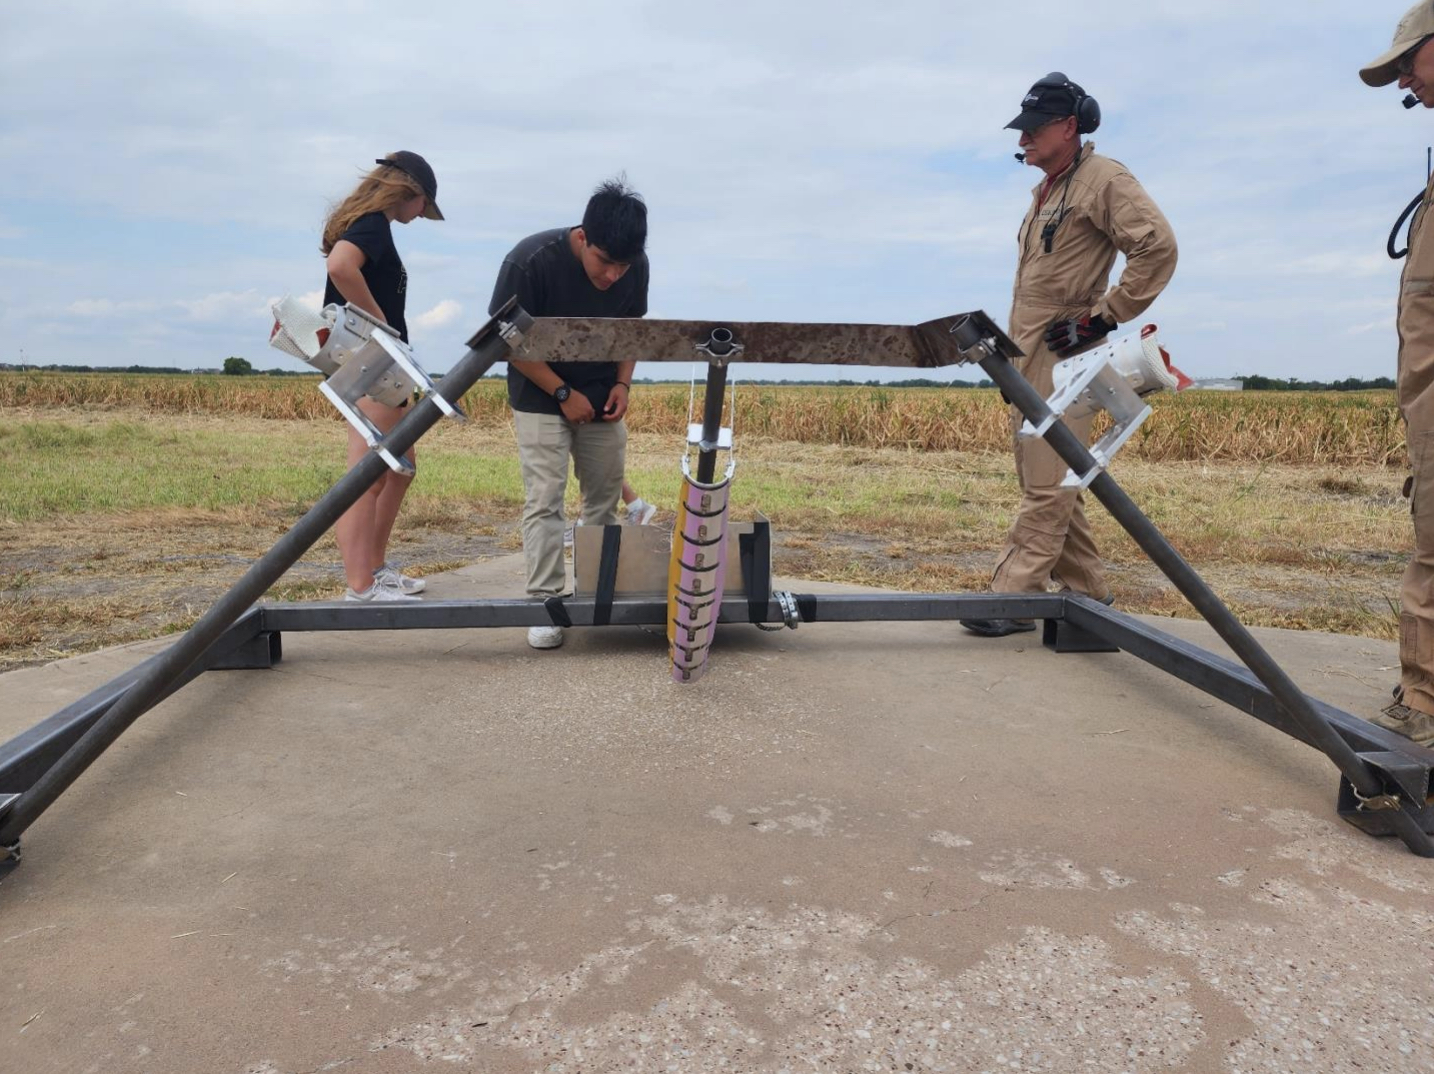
pixel 640 512
pixel 392 577
pixel 379 593
pixel 545 637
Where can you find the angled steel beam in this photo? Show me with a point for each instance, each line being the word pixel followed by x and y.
pixel 32 753
pixel 488 345
pixel 981 341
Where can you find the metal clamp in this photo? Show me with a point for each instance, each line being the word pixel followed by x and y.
pixel 1375 803
pixel 720 347
pixel 791 618
pixel 510 334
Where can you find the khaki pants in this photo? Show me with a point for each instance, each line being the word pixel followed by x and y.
pixel 545 442
pixel 1416 617
pixel 1050 539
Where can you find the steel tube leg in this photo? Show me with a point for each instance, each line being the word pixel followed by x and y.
pixel 1019 391
pixel 265 572
pixel 711 422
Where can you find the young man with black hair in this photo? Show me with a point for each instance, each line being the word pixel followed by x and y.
pixel 573 409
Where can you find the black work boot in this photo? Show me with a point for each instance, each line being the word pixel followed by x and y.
pixel 997 628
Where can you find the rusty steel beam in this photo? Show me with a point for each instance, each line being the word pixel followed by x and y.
pixel 928 345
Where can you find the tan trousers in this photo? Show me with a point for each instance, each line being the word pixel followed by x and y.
pixel 1416 617
pixel 545 443
pixel 1050 541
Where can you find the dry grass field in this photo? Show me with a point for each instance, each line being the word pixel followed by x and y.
pixel 130 502
pixel 1316 428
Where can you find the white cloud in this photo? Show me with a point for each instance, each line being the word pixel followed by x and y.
pixel 446 312
pixel 104 307
pixel 836 161
pixel 222 304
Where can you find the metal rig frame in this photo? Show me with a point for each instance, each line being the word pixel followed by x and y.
pixel 1384 778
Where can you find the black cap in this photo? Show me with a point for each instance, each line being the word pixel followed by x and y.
pixel 417 169
pixel 1048 99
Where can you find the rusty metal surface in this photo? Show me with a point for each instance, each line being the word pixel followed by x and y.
pixel 591 339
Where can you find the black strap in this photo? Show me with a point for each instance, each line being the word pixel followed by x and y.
pixel 756 552
pixel 607 575
pixel 807 606
pixel 1395 255
pixel 557 612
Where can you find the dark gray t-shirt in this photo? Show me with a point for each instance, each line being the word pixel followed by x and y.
pixel 549 281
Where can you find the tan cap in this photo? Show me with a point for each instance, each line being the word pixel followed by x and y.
pixel 1415 26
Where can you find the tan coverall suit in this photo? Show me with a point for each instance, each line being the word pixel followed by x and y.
pixel 1416 406
pixel 1105 211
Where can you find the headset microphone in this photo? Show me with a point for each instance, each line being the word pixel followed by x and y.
pixel 1021 157
pixel 1409 100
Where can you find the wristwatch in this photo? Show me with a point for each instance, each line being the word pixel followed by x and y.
pixel 562 393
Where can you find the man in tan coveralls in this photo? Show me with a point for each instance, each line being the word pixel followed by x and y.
pixel 1410 61
pixel 1086 210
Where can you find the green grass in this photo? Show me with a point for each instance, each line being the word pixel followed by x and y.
pixel 121 465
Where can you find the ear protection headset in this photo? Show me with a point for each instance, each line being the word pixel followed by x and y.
pixel 1087 116
pixel 1087 108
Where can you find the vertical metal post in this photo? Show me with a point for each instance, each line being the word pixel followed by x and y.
pixel 1316 728
pixel 711 422
pixel 487 347
pixel 721 346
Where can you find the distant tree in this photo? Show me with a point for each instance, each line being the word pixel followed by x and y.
pixel 237 367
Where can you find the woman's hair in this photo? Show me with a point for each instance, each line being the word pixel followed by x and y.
pixel 380 190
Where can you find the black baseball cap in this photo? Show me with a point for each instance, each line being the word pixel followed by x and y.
pixel 417 169
pixel 1053 97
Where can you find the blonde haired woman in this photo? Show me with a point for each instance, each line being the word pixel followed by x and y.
pixel 364 268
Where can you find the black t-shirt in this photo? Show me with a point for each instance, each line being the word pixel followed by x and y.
pixel 383 269
pixel 549 281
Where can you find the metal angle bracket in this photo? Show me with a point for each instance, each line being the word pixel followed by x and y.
pixel 978 339
pixel 263 650
pixel 694 437
pixel 1407 784
pixel 1061 636
pixel 372 361
pixel 9 852
pixel 1097 386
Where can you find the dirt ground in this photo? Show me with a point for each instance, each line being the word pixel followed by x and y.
pixel 66 589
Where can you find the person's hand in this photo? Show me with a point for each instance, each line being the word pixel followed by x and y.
pixel 578 409
pixel 616 403
pixel 1066 337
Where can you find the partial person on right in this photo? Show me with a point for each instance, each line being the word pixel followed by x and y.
pixel 1409 62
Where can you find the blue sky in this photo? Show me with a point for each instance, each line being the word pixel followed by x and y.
pixel 168 164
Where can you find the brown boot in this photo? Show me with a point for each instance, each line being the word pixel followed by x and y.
pixel 1411 723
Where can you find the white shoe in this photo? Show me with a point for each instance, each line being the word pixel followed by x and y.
pixel 379 593
pixel 545 637
pixel 391 576
pixel 640 512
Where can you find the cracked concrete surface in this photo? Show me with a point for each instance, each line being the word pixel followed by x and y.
pixel 855 847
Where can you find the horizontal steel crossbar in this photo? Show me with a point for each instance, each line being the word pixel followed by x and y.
pixel 824 608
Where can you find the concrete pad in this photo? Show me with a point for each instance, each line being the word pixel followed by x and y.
pixel 851 847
